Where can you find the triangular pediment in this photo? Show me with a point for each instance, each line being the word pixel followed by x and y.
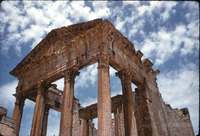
pixel 77 46
pixel 64 34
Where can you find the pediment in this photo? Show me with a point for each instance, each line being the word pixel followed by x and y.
pixel 77 46
pixel 48 47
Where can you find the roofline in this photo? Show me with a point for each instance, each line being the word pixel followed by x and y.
pixel 21 63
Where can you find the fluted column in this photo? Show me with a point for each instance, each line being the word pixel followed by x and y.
pixel 66 121
pixel 37 122
pixel 129 116
pixel 119 121
pixel 145 117
pixel 45 121
pixel 104 100
pixel 18 111
pixel 84 127
pixel 92 129
pixel 116 117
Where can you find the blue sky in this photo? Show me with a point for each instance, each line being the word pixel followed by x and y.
pixel 166 32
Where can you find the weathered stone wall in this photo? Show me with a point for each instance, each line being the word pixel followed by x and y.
pixel 7 128
pixel 64 51
pixel 163 120
pixel 178 121
pixel 76 131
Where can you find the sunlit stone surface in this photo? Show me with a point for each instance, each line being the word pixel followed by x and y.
pixel 62 53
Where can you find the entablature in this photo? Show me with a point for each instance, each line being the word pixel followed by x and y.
pixel 54 54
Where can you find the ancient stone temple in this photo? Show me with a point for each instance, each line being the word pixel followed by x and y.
pixel 62 53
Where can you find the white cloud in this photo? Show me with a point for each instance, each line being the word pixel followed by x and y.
pixel 149 7
pixel 164 44
pixel 142 11
pixel 168 10
pixel 135 3
pixel 157 6
pixel 7 99
pixel 100 9
pixel 120 22
pixel 95 121
pixel 60 84
pixel 180 88
pixel 35 19
pixel 87 76
pixel 88 101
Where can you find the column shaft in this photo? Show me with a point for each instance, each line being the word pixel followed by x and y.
pixel 116 117
pixel 119 121
pixel 37 122
pixel 129 116
pixel 17 113
pixel 104 100
pixel 67 109
pixel 84 127
pixel 45 121
pixel 144 115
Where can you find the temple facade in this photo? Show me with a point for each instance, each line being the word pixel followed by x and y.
pixel 61 54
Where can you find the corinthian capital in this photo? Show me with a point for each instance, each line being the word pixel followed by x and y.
pixel 125 75
pixel 103 60
pixel 19 98
pixel 71 73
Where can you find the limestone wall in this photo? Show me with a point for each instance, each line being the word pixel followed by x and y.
pixel 178 121
pixel 7 128
pixel 76 131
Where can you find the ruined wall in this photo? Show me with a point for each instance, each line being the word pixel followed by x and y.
pixel 178 121
pixel 76 130
pixel 163 119
pixel 7 128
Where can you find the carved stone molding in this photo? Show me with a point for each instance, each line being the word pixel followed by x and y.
pixel 125 75
pixel 41 87
pixel 19 99
pixel 70 74
pixel 103 60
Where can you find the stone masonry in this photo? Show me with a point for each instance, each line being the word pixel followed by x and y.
pixel 7 126
pixel 66 50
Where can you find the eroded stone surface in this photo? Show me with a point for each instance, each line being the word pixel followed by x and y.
pixel 7 126
pixel 62 53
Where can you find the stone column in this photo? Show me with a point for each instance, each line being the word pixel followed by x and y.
pixel 119 121
pixel 18 111
pixel 37 122
pixel 129 111
pixel 144 114
pixel 45 121
pixel 104 100
pixel 92 129
pixel 84 127
pixel 116 117
pixel 66 121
